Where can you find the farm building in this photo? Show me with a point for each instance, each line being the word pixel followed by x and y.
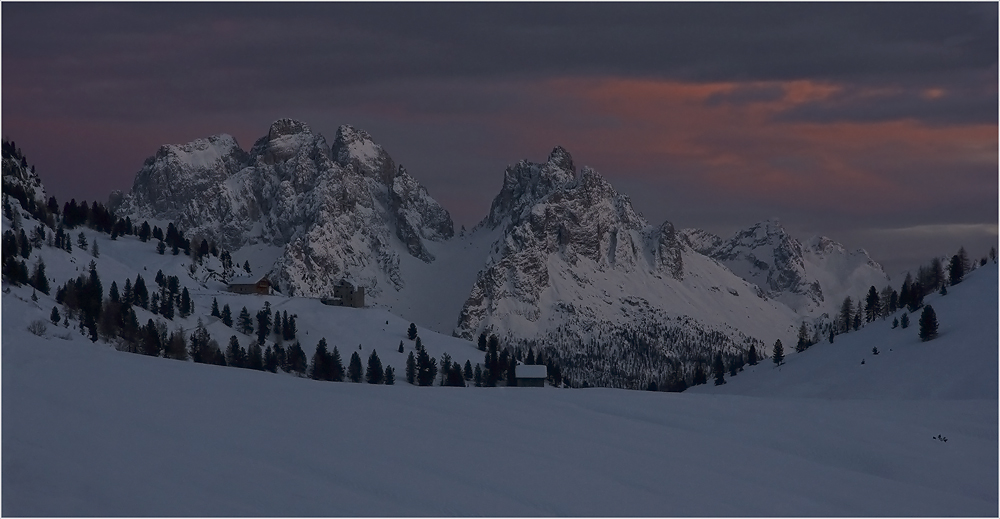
pixel 530 375
pixel 250 285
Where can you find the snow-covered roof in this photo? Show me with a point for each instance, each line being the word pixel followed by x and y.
pixel 530 371
pixel 245 280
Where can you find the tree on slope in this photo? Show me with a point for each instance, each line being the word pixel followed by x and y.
pixel 411 368
pixel 336 366
pixel 318 369
pixel 846 314
pixel 719 370
pixel 872 304
pixel 375 374
pixel 244 323
pixel 411 332
pixel 956 271
pixel 354 368
pixel 803 343
pixel 752 356
pixel 779 353
pixel 928 324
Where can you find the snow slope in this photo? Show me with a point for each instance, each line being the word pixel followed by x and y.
pixel 88 430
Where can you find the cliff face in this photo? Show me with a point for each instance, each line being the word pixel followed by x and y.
pixel 337 212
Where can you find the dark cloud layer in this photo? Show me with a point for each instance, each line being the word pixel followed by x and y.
pixel 763 109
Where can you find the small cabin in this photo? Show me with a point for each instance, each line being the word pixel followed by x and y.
pixel 346 294
pixel 530 375
pixel 250 285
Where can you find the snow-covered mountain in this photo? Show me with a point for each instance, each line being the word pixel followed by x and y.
pixel 561 259
pixel 812 278
pixel 575 264
pixel 327 212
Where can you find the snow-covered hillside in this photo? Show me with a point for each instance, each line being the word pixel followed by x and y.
pixel 88 430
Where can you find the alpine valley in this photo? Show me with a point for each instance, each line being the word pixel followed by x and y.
pixel 562 263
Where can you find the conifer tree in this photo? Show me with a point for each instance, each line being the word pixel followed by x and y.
pixel 803 343
pixel 319 367
pixel 467 371
pixel 336 366
pixel 176 346
pixel 390 376
pixel 354 368
pixel 245 324
pixel 263 325
pixel 956 271
pixel 401 346
pixel 186 304
pixel 227 316
pixel 234 353
pixel 699 377
pixel 411 332
pixel 255 357
pixel 482 341
pixel 38 279
pixel 374 374
pixel 752 356
pixel 846 314
pixel 215 308
pixel 477 376
pixel 895 322
pixel 872 303
pixel 928 324
pixel 296 359
pixel 719 370
pixel 411 368
pixel 779 353
pixel 904 320
pixel 54 316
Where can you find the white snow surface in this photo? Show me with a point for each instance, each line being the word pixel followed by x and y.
pixel 88 430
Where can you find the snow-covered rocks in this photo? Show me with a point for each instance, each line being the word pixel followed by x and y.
pixel 336 211
pixel 812 278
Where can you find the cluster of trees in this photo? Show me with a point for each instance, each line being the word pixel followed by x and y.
pixel 327 365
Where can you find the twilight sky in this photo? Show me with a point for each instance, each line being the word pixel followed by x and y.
pixel 874 124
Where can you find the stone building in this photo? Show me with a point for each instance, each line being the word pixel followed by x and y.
pixel 346 294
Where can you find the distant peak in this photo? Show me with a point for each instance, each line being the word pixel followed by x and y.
pixel 283 127
pixel 562 159
pixel 348 133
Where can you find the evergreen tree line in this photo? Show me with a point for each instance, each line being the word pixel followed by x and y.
pixel 666 353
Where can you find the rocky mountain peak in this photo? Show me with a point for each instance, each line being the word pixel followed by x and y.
pixel 561 159
pixel 526 182
pixel 353 147
pixel 285 127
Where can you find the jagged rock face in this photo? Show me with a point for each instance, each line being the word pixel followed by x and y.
pixel 17 174
pixel 417 216
pixel 547 211
pixel 766 255
pixel 811 278
pixel 573 253
pixel 332 209
pixel 187 184
pixel 668 250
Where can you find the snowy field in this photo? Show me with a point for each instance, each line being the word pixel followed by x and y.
pixel 88 430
